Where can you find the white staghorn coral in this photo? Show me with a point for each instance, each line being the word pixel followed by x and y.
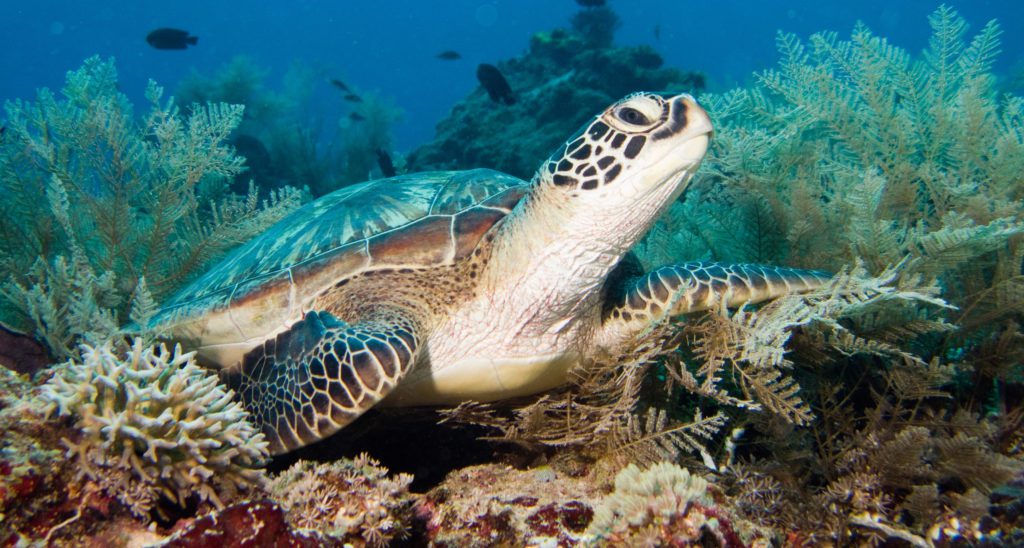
pixel 155 423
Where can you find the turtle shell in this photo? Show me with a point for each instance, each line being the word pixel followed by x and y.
pixel 260 289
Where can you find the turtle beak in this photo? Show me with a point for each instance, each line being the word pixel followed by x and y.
pixel 696 119
pixel 694 130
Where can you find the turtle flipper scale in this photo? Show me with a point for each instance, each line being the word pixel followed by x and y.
pixel 677 289
pixel 320 375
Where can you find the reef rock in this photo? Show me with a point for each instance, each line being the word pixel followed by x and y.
pixel 558 83
pixel 573 503
pixel 260 523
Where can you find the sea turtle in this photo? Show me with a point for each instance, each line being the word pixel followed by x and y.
pixel 442 287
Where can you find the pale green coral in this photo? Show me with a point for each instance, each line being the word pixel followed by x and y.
pixel 153 423
pixel 96 199
pixel 853 149
pixel 349 499
pixel 853 156
pixel 657 495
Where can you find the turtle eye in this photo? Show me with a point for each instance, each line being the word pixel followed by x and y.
pixel 632 116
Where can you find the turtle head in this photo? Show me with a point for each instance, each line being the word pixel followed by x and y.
pixel 644 148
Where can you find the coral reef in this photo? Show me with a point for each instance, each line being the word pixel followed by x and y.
pixel 154 424
pixel 496 504
pixel 662 505
pixel 29 471
pixel 283 136
pixel 564 78
pixel 905 370
pixel 596 26
pixel 852 152
pixel 103 210
pixel 884 408
pixel 570 502
pixel 351 500
pixel 246 524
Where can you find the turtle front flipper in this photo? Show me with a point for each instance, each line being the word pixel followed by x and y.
pixel 678 289
pixel 320 375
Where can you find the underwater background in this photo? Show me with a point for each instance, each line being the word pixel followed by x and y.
pixel 881 141
pixel 391 48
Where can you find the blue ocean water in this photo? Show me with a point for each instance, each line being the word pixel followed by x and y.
pixel 390 47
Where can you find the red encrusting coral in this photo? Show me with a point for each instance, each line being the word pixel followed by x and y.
pixel 250 523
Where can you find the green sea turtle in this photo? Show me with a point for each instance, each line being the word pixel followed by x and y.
pixel 442 287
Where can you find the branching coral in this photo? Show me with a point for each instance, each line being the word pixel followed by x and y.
pixel 347 499
pixel 738 359
pixel 97 201
pixel 851 152
pixel 154 424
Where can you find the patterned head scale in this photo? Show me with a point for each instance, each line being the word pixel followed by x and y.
pixel 642 131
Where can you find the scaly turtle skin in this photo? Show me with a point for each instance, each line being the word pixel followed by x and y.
pixel 443 287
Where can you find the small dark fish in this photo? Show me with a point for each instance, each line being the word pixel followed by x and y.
pixel 353 98
pixel 340 85
pixel 387 167
pixel 590 3
pixel 449 55
pixel 356 117
pixel 171 39
pixel 657 33
pixel 495 84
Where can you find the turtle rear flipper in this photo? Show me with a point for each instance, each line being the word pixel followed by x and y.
pixel 320 375
pixel 674 290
